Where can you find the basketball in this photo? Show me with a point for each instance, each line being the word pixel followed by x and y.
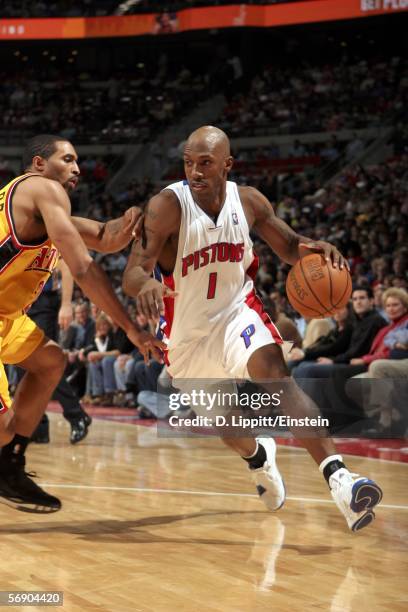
pixel 317 290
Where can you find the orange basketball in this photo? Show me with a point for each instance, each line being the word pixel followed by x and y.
pixel 317 290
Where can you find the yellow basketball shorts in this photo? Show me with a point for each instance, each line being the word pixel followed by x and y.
pixel 18 340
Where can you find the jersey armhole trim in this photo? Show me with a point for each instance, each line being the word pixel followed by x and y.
pixel 9 216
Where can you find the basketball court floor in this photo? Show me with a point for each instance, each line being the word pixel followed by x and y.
pixel 161 525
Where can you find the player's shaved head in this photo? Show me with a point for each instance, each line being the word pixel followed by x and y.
pixel 209 139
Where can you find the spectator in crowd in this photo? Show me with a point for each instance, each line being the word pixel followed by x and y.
pixel 395 302
pixel 298 149
pixel 353 343
pixel 354 147
pixel 315 329
pixel 108 344
pixel 155 403
pixel 306 99
pixel 329 345
pixel 378 291
pixel 143 377
pixel 79 335
pixel 390 337
pixel 125 363
pixel 385 403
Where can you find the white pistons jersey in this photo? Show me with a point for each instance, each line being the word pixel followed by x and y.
pixel 212 260
pixel 213 275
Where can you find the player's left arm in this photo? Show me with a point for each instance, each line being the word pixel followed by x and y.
pixel 112 236
pixel 285 242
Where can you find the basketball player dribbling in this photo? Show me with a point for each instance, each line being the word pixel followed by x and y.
pixel 35 227
pixel 196 233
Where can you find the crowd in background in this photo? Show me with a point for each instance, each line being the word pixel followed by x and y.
pixel 363 212
pixel 280 100
pixel 129 108
pixel 312 98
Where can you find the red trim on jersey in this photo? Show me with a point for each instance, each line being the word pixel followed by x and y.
pixel 3 405
pixel 168 304
pixel 254 301
pixel 13 234
pixel 5 240
pixel 168 312
pixel 252 271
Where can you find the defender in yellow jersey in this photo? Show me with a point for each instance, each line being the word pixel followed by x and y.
pixel 35 226
pixel 24 268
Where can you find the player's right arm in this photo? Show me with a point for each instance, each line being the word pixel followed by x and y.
pixel 52 204
pixel 162 219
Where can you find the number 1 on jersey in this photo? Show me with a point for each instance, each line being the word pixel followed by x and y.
pixel 212 283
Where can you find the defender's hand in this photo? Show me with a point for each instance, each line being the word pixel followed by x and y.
pixel 329 252
pixel 149 300
pixel 133 223
pixel 148 345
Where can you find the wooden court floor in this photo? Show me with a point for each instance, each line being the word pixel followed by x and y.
pixel 171 525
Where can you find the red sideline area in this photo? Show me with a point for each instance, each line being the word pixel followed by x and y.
pixel 390 450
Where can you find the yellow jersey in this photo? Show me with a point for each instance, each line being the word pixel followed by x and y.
pixel 24 268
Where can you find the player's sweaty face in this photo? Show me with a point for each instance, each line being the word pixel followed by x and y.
pixel 62 166
pixel 205 171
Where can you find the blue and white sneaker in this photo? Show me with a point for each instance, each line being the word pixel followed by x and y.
pixel 355 496
pixel 268 481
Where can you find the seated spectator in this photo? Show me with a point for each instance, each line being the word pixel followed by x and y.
pixel 109 342
pixel 143 377
pixel 125 363
pixel 333 343
pixel 390 337
pixel 156 403
pixel 383 399
pixel 79 334
pixel 315 329
pixel 378 290
pixel 395 303
pixel 366 323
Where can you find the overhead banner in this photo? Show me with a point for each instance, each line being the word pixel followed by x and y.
pixel 239 15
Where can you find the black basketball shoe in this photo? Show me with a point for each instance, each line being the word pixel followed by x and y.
pixel 79 428
pixel 19 491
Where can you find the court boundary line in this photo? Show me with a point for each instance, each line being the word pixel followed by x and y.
pixel 313 500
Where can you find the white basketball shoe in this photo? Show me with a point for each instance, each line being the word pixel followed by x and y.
pixel 268 481
pixel 355 497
